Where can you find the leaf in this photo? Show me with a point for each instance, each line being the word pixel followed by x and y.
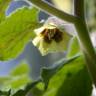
pixel 71 80
pixel 5 93
pixel 16 81
pixel 26 90
pixel 36 91
pixel 16 31
pixel 74 47
pixel 20 92
pixel 17 70
pixel 3 79
pixel 48 73
pixel 3 6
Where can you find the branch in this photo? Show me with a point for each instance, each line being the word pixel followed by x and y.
pixel 82 29
pixel 84 38
pixel 54 11
pixel 79 8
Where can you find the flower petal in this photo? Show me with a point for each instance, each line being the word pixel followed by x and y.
pixel 39 30
pixel 36 40
pixel 55 45
pixel 46 48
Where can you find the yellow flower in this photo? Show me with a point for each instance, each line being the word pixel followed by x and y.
pixel 51 39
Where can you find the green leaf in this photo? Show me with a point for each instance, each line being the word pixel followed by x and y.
pixel 17 70
pixel 26 90
pixel 20 92
pixel 74 47
pixel 38 90
pixel 3 5
pixel 5 93
pixel 17 80
pixel 48 73
pixel 3 79
pixel 16 31
pixel 71 80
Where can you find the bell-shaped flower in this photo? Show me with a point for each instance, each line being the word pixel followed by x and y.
pixel 52 37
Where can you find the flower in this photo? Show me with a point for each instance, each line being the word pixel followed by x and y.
pixel 51 39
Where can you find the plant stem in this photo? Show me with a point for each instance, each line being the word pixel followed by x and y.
pixel 87 48
pixel 79 9
pixel 91 68
pixel 83 35
pixel 47 7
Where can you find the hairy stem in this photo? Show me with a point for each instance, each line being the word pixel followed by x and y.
pixel 87 48
pixel 79 8
pixel 83 35
pixel 54 11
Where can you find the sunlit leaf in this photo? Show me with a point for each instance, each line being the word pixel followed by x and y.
pixel 71 80
pixel 17 71
pixel 17 80
pixel 74 47
pixel 16 31
pixel 26 89
pixel 5 93
pixel 3 6
pixel 48 73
